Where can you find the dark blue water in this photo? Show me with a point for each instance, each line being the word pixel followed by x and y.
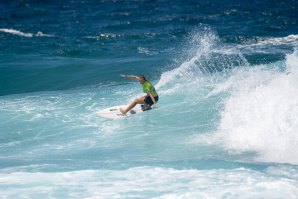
pixel 225 127
pixel 91 42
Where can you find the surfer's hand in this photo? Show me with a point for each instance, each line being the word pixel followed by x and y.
pixel 123 75
pixel 155 105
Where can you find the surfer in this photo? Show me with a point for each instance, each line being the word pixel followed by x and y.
pixel 148 100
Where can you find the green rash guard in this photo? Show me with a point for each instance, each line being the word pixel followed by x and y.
pixel 147 86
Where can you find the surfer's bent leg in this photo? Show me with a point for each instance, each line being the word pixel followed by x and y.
pixel 133 104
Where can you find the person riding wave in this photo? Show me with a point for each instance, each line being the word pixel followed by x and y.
pixel 148 100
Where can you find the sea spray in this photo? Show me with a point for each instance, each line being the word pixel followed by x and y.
pixel 206 56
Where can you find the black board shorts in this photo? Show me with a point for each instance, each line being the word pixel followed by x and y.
pixel 148 100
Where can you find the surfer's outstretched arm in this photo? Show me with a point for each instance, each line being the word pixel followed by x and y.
pixel 138 78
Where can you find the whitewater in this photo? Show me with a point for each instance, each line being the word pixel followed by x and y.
pixel 224 128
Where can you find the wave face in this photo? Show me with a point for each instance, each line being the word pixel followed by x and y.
pixel 225 126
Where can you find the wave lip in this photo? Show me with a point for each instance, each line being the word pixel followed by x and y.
pixel 22 34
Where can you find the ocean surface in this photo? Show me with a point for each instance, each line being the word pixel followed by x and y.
pixel 226 125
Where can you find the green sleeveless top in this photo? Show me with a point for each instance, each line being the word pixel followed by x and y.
pixel 147 86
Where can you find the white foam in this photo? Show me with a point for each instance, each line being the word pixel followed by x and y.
pixel 40 34
pixel 148 182
pixel 261 113
pixel 22 34
pixel 16 32
pixel 146 51
pixel 290 39
pixel 271 41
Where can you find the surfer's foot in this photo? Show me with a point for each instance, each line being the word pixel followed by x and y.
pixel 123 111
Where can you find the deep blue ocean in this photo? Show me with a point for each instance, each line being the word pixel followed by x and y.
pixel 226 125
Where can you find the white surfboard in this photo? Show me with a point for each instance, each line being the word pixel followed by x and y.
pixel 115 113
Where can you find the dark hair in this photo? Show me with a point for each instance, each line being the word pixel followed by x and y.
pixel 143 77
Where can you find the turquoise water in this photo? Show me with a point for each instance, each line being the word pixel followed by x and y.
pixel 225 126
